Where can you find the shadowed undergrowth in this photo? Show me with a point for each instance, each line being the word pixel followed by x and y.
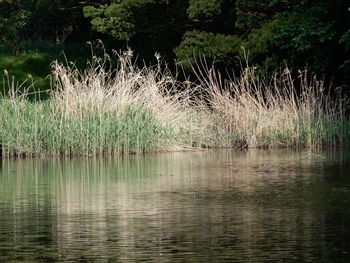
pixel 111 109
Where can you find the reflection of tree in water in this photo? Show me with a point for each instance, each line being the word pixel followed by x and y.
pixel 209 207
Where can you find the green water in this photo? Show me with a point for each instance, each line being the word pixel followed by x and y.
pixel 215 206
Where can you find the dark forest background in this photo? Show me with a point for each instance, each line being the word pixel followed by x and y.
pixel 312 34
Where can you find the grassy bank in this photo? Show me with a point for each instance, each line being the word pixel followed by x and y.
pixel 127 109
pixel 32 65
pixel 32 68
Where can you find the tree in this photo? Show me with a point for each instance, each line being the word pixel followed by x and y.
pixel 312 33
pixel 309 32
pixel 204 26
pixel 252 14
pixel 345 40
pixel 216 48
pixel 204 8
pixel 13 19
pixel 157 23
pixel 37 20
pixel 58 20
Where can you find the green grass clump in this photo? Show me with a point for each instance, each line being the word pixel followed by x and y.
pixel 32 129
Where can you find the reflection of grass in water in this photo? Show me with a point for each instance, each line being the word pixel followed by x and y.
pixel 74 207
pixel 68 198
pixel 310 155
pixel 30 172
pixel 72 184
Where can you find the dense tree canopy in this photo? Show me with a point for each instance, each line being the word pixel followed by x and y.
pixel 300 33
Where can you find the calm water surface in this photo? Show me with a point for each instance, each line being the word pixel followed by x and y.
pixel 215 206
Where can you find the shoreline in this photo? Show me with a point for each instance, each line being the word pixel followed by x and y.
pixel 186 150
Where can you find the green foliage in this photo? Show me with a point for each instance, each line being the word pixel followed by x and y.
pixel 204 8
pixel 312 33
pixel 57 20
pixel 261 40
pixel 252 13
pixel 304 28
pixel 54 20
pixel 13 19
pixel 214 47
pixel 346 40
pixel 115 20
pixel 260 47
pixel 119 19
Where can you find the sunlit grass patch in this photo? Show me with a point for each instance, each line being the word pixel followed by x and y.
pixel 29 129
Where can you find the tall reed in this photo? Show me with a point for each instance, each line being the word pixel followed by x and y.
pixel 117 107
pixel 253 111
pixel 98 110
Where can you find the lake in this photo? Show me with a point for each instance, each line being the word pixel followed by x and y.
pixel 210 206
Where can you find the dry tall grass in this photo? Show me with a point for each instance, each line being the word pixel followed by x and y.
pixel 252 111
pixel 101 88
pixel 102 109
pixel 109 108
pixel 105 88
